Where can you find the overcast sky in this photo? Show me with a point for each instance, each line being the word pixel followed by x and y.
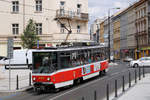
pixel 99 8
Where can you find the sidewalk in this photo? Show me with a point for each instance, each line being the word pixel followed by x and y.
pixel 141 91
pixel 113 64
pixel 23 76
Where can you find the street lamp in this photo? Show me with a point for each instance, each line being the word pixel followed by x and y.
pixel 97 33
pixel 109 31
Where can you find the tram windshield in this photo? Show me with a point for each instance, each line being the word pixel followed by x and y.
pixel 44 62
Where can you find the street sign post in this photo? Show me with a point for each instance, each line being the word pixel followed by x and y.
pixel 10 44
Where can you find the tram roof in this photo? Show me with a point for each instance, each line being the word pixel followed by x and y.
pixel 69 48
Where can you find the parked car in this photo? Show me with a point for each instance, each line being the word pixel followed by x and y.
pixel 21 59
pixel 144 61
pixel 127 59
pixel 2 60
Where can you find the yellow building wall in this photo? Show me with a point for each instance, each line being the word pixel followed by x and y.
pixel 102 32
pixel 116 30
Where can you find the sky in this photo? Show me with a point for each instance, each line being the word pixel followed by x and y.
pixel 99 8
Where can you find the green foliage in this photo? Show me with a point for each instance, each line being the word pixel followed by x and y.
pixel 29 38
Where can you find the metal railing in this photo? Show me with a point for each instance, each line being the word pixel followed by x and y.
pixel 72 15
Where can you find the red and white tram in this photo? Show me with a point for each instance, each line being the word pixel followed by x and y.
pixel 57 68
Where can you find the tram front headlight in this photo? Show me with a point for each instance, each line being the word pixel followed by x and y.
pixel 48 79
pixel 34 78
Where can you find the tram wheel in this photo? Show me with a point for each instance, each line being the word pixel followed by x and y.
pixel 77 81
pixel 104 72
pixel 100 73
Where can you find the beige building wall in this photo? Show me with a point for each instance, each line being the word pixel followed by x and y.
pixel 50 27
pixel 102 32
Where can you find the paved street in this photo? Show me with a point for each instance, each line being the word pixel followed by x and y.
pixel 85 89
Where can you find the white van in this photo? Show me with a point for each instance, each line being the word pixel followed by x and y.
pixel 21 59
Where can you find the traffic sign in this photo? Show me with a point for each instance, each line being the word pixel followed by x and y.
pixel 10 44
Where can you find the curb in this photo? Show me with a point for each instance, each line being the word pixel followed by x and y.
pixel 20 90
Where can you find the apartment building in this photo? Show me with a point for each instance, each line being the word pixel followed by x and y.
pixel 127 32
pixel 131 30
pixel 50 17
pixel 102 32
pixel 142 24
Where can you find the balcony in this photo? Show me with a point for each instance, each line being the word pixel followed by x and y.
pixel 62 14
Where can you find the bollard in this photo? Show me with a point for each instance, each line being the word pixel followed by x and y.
pixel 95 95
pixel 135 76
pixel 129 79
pixel 139 73
pixel 83 98
pixel 116 88
pixel 143 72
pixel 30 79
pixel 17 83
pixel 107 91
pixel 123 84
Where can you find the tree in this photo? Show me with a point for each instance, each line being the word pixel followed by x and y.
pixel 29 38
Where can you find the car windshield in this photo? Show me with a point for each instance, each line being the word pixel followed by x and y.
pixel 142 59
pixel 44 62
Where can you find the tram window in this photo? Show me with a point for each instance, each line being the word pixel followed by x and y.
pixel 44 62
pixel 74 55
pixel 65 60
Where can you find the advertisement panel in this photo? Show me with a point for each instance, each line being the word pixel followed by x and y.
pixel 97 66
pixel 86 70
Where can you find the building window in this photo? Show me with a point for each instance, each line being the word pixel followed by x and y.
pixel 38 5
pixel 15 6
pixel 62 29
pixel 38 28
pixel 62 8
pixel 62 4
pixel 15 29
pixel 78 9
pixel 78 29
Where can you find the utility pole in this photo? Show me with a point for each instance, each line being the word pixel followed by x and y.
pixel 137 42
pixel 109 34
pixel 109 31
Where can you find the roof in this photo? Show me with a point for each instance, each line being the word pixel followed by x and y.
pixel 71 49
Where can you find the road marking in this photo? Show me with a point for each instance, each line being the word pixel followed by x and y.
pixel 78 88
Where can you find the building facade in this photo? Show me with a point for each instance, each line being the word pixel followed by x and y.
pixel 106 31
pixel 95 30
pixel 50 17
pixel 142 24
pixel 123 34
pixel 102 32
pixel 116 36
pixel 127 32
pixel 131 30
